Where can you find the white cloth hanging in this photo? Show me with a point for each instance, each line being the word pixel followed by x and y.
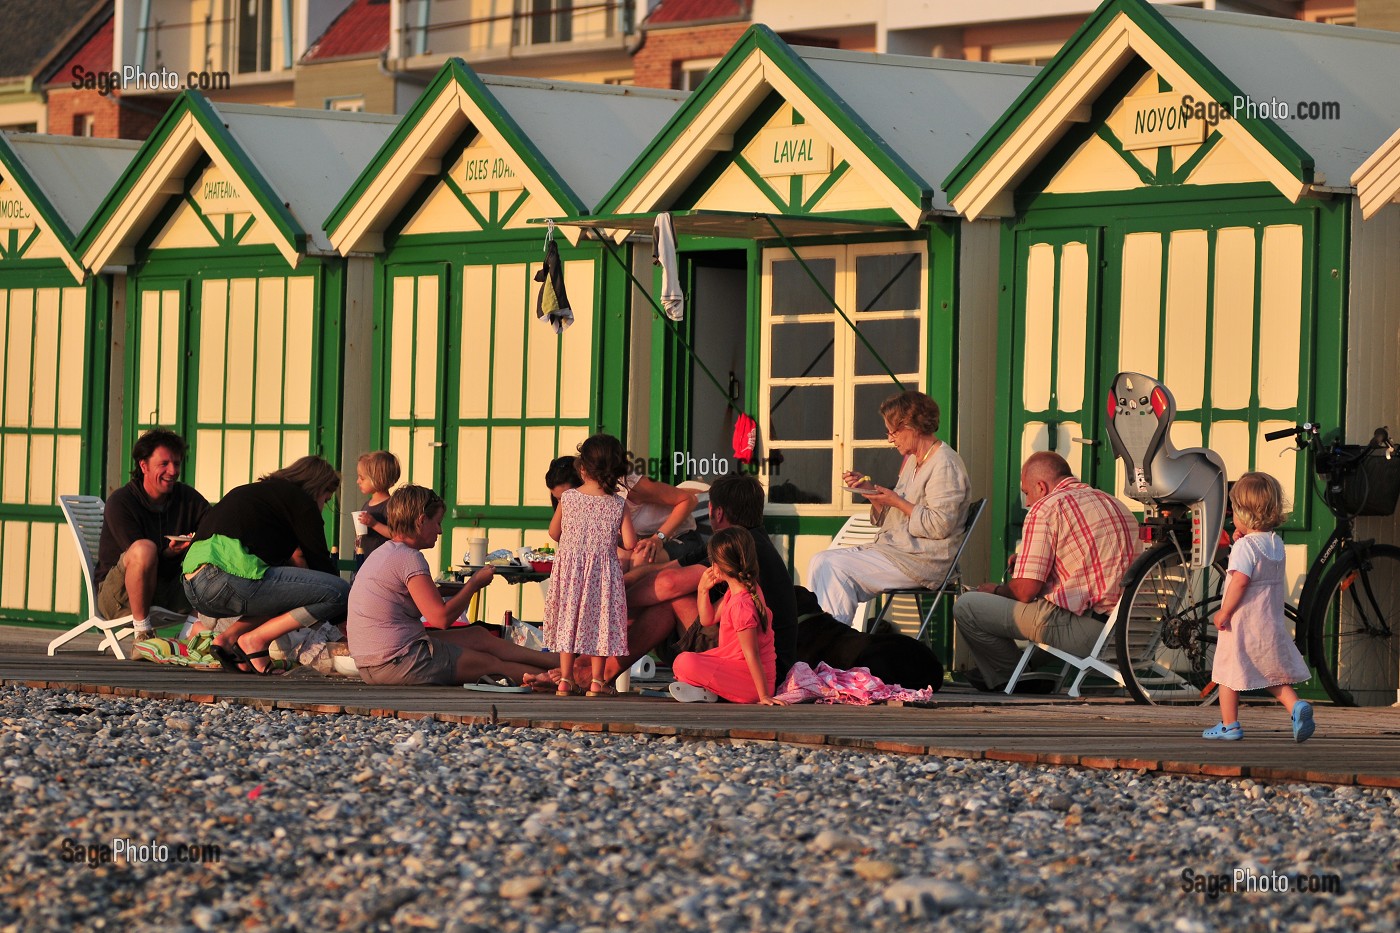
pixel 663 254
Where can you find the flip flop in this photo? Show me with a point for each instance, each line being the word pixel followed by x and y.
pixel 226 658
pixel 496 683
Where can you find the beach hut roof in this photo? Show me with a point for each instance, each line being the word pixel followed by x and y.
pixel 1377 181
pixel 1211 56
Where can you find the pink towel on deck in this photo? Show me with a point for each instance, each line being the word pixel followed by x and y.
pixel 856 687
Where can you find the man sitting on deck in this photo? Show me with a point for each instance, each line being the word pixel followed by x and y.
pixel 661 598
pixel 138 565
pixel 1075 546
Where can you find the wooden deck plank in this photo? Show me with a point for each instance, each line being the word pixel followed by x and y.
pixel 1360 746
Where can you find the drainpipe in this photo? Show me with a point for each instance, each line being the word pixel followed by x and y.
pixel 141 34
pixel 421 43
pixel 286 34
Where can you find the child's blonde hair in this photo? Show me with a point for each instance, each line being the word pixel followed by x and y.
pixel 408 504
pixel 1258 501
pixel 733 553
pixel 381 468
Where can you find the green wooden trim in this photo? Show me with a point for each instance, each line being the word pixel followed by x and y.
pixel 13 167
pixel 1204 72
pixel 195 104
pixel 713 90
pixel 454 70
pixel 941 311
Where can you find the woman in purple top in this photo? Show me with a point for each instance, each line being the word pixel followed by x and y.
pixel 393 597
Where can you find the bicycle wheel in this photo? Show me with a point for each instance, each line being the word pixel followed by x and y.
pixel 1166 641
pixel 1354 628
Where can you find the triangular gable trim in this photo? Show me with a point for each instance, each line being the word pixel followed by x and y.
pixel 1377 180
pixel 13 168
pixel 456 99
pixel 190 128
pixel 1063 93
pixel 760 63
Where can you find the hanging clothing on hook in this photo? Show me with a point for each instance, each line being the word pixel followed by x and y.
pixel 663 254
pixel 552 303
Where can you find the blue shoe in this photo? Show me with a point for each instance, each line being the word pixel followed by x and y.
pixel 1303 725
pixel 1230 733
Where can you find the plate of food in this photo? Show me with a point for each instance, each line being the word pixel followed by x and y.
pixel 176 539
pixel 860 490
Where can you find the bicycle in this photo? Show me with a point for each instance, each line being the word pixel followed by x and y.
pixel 1350 604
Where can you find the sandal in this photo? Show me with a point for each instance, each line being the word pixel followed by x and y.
pixel 566 688
pixel 241 657
pixel 599 688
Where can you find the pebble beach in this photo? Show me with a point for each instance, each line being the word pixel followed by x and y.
pixel 125 813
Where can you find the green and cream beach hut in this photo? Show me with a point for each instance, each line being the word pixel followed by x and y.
pixel 471 391
pixel 1174 193
pixel 237 317
pixel 823 269
pixel 54 335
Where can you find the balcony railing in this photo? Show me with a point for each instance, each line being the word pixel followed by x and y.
pixel 532 25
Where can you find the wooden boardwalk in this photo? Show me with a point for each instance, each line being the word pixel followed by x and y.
pixel 1352 746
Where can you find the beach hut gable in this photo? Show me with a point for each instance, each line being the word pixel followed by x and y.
pixel 30 226
pixel 765 122
pixel 1377 180
pixel 170 166
pixel 1155 134
pixel 459 161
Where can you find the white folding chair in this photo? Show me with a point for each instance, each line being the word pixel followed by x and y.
pixel 857 530
pixel 84 515
pixel 952 580
pixel 1084 665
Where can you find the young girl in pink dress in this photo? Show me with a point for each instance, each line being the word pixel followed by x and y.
pixel 743 668
pixel 1255 650
pixel 586 610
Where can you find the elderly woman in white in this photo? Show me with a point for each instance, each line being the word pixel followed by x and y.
pixel 921 518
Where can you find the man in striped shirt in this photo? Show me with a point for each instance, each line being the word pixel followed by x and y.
pixel 1075 546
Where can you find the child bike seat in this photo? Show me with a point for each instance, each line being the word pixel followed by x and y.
pixel 1140 414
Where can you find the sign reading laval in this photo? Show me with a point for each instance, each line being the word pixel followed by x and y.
pixel 481 168
pixel 791 150
pixel 1153 121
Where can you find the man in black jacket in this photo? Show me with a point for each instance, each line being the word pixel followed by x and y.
pixel 139 552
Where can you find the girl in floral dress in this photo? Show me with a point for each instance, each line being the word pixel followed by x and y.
pixel 586 611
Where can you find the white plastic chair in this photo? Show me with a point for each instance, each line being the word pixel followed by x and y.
pixel 1084 665
pixel 857 530
pixel 84 515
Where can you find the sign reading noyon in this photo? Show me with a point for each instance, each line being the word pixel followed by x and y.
pixel 1155 121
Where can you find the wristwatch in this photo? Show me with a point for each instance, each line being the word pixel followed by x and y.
pixel 661 536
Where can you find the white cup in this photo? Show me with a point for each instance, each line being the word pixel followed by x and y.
pixel 476 550
pixel 361 523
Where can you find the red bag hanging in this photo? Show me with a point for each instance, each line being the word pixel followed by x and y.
pixel 745 438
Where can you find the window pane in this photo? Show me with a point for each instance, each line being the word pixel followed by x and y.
pixel 869 424
pixel 889 282
pixel 793 291
pixel 881 464
pixel 801 413
pixel 897 342
pixel 802 476
pixel 802 350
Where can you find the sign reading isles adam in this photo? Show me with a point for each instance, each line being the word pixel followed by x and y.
pixel 481 168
